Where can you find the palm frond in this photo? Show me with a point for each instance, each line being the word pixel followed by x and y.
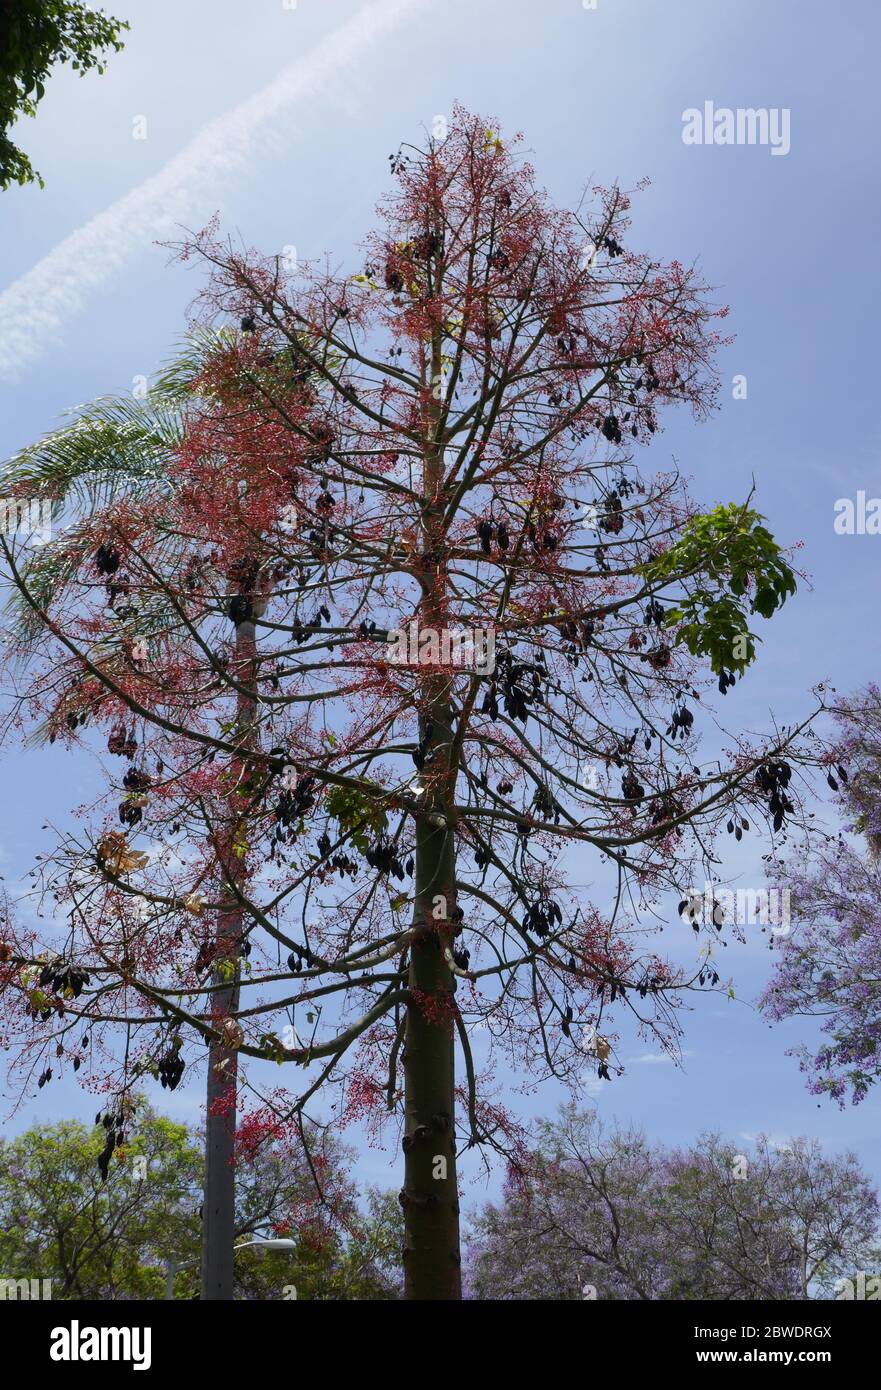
pixel 116 447
pixel 117 444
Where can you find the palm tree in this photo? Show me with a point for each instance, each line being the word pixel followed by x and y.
pixel 114 449
pixel 118 446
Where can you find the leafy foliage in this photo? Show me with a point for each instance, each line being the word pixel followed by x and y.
pixel 95 1239
pixel 721 558
pixel 35 34
pixel 112 1238
pixel 634 1220
pixel 356 813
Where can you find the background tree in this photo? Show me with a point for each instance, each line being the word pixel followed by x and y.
pixel 35 34
pixel 437 441
pixel 93 1238
pixel 112 1238
pixel 634 1220
pixel 355 1260
pixel 829 967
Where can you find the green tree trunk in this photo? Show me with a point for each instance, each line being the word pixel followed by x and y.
pixel 218 1208
pixel 430 1196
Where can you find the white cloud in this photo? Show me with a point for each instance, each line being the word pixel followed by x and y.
pixel 36 307
pixel 590 1085
pixel 781 1142
pixel 654 1059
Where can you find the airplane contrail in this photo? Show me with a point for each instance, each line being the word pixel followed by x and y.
pixel 37 305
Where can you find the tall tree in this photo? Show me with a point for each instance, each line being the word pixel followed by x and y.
pixel 116 451
pixel 34 35
pixel 413 482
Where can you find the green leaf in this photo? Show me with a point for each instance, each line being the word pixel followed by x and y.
pixel 357 812
pixel 720 558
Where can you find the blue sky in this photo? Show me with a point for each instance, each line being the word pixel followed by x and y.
pixel 282 119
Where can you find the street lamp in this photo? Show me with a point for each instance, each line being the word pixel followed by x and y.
pixel 172 1267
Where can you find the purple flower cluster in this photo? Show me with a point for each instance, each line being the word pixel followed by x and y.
pixel 830 966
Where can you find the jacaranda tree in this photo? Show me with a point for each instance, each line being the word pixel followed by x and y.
pixel 613 1216
pixel 829 967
